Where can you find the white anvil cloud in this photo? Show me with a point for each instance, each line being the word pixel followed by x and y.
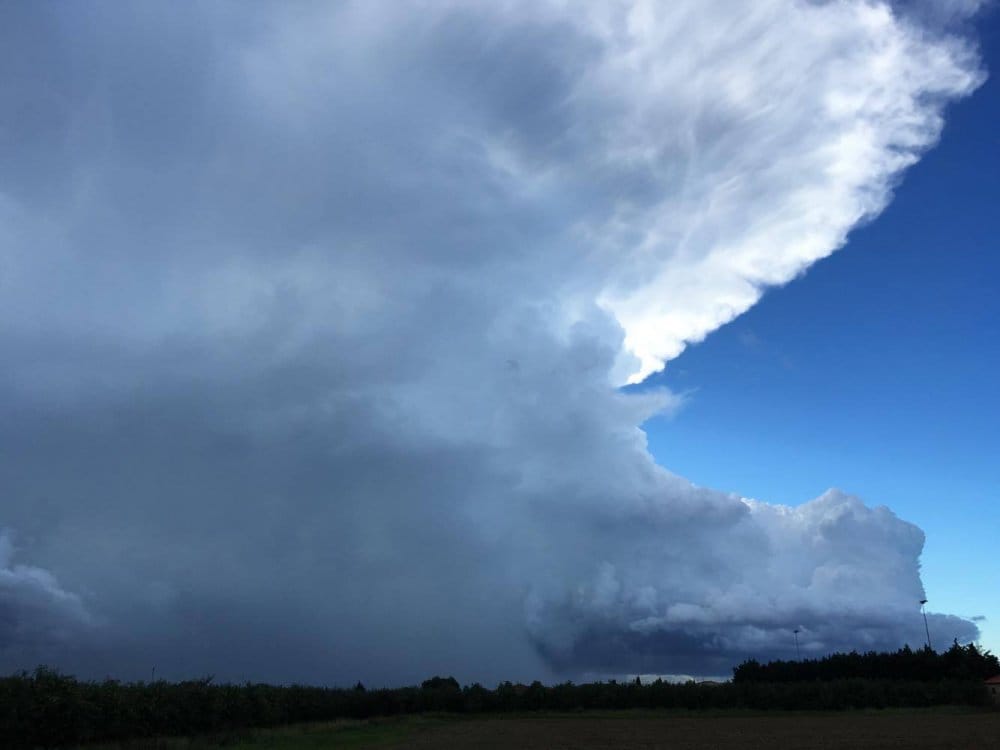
pixel 787 127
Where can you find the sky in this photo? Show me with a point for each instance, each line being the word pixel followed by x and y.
pixel 874 372
pixel 376 340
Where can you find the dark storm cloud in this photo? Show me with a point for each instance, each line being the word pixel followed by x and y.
pixel 35 611
pixel 311 319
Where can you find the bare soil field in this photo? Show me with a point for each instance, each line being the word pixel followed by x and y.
pixel 775 732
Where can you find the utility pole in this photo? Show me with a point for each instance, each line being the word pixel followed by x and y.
pixel 927 630
pixel 798 654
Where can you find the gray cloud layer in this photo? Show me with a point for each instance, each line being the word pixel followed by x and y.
pixel 312 318
pixel 35 612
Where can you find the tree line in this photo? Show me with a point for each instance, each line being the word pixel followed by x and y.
pixel 47 709
pixel 923 665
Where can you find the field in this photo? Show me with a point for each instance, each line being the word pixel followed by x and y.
pixel 785 731
pixel 936 728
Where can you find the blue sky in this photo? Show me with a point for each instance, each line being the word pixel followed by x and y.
pixel 876 371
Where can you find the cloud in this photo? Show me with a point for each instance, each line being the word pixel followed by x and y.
pixel 313 316
pixel 777 149
pixel 845 575
pixel 35 611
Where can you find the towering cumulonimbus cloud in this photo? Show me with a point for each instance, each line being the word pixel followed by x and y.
pixel 313 316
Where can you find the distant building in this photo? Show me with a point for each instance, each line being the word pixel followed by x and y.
pixel 993 685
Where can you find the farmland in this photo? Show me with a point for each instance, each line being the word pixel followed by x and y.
pixel 930 729
pixel 850 730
